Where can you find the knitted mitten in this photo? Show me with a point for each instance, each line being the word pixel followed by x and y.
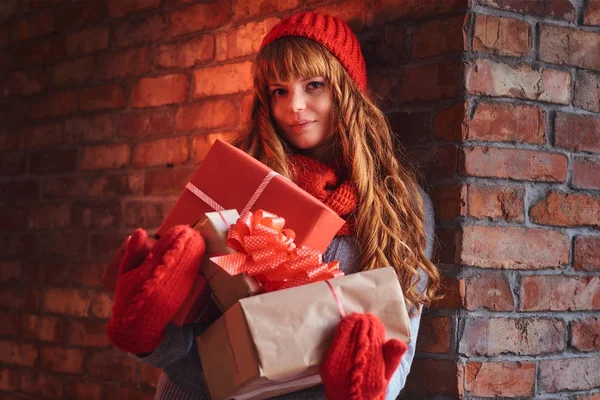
pixel 147 297
pixel 359 363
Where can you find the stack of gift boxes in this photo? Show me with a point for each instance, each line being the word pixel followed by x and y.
pixel 266 280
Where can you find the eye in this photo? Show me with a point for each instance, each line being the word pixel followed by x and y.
pixel 315 85
pixel 278 92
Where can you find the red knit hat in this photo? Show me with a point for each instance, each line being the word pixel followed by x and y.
pixel 359 363
pixel 331 32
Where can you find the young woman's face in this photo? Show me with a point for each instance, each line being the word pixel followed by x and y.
pixel 302 110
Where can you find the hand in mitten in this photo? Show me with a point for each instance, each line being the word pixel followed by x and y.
pixel 147 296
pixel 359 363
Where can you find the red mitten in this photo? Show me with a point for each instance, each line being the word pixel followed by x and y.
pixel 147 297
pixel 359 363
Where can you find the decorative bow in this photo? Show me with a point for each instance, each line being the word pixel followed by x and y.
pixel 267 252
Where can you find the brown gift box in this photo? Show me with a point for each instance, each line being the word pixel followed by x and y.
pixel 226 289
pixel 273 343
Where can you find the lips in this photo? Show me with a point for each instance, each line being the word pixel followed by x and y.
pixel 301 124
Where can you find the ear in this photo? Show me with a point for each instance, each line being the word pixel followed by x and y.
pixel 393 350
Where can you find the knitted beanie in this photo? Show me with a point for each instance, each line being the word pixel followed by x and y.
pixel 359 363
pixel 148 296
pixel 331 32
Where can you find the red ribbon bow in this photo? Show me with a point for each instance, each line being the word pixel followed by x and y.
pixel 267 252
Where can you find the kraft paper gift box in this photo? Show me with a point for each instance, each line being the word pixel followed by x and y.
pixel 226 289
pixel 232 178
pixel 273 343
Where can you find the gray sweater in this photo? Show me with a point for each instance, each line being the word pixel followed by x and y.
pixel 177 355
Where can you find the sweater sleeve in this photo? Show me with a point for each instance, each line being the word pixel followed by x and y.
pixel 399 378
pixel 176 344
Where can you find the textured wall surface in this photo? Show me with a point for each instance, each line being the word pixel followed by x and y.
pixel 107 107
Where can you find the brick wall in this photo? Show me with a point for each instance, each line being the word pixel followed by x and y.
pixel 108 106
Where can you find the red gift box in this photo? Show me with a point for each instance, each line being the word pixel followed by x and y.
pixel 230 179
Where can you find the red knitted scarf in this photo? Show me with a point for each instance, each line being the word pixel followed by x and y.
pixel 329 185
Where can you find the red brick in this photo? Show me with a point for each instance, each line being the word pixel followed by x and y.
pixel 77 14
pixel 444 249
pixel 89 129
pixel 61 244
pixel 20 299
pixel 160 122
pixel 132 62
pixel 199 17
pixel 557 9
pixel 52 161
pixel 67 301
pixel 386 46
pixel 243 10
pixel 166 89
pixel 8 141
pixel 105 157
pixel 118 8
pixel 513 247
pixel 135 394
pixel 24 354
pixel 148 215
pixel 72 72
pixel 13 164
pixel 24 83
pixel 88 41
pixel 13 218
pixel 17 245
pixel 435 335
pixel 504 202
pixel 10 271
pixel 352 11
pixel 386 84
pixel 585 334
pixel 104 185
pixel 11 325
pixel 450 123
pixel 592 397
pixel 431 82
pixel 438 37
pixel 62 360
pixel 42 52
pixel 450 292
pixel 577 132
pixel 101 98
pixel 49 216
pixel 3 36
pixel 54 105
pixel 519 336
pixel 166 182
pixel 243 40
pixel 88 274
pixel 88 334
pixel 226 79
pixel 502 36
pixel 582 374
pixel 161 152
pixel 201 144
pixel 389 10
pixel 437 161
pixel 489 78
pixel 247 102
pixel 432 377
pixel 587 254
pixel 560 45
pixel 9 380
pixel 411 129
pixel 449 201
pixel 500 379
pixel 149 376
pixel 92 214
pixel 587 91
pixel 563 209
pixel 515 164
pixel 101 305
pixel 42 384
pixel 85 390
pixel 104 244
pixel 35 25
pixel 486 291
pixel 112 365
pixel 142 30
pixel 51 272
pixel 41 135
pixel 185 54
pixel 592 13
pixel 46 329
pixel 559 293
pixel 10 8
pixel 501 122
pixel 212 114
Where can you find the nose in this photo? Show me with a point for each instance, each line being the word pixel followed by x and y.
pixel 297 101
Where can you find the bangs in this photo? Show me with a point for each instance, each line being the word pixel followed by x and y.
pixel 292 58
